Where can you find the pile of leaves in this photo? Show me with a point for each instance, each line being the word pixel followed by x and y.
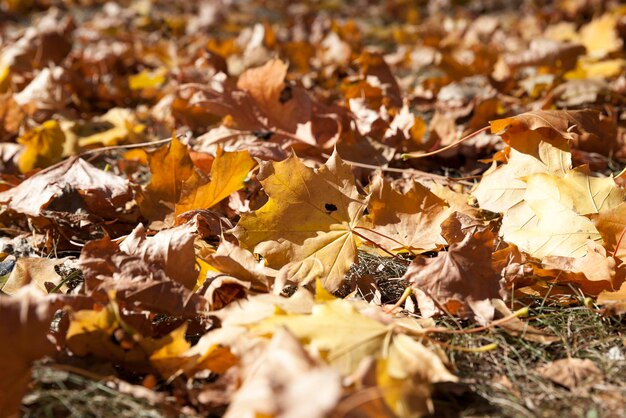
pixel 192 194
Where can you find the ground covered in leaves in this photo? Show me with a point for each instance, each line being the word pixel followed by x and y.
pixel 312 209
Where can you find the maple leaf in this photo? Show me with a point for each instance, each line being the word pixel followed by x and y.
pixel 285 381
pixel 26 321
pixel 95 191
pixel 228 171
pixel 546 227
pixel 40 272
pixel 593 272
pixel 138 283
pixel 124 126
pixel 348 335
pixel 43 146
pixel 337 328
pixel 461 280
pixel 170 166
pixel 410 221
pixel 581 129
pixel 502 187
pixel 310 216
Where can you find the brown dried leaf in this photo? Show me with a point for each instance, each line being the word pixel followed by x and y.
pixel 96 191
pixel 409 221
pixel 460 280
pixel 24 327
pixel 572 373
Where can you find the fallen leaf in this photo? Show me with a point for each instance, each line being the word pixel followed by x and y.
pixel 460 279
pixel 600 36
pixel 310 214
pixel 95 191
pixel 337 328
pixel 43 146
pixel 409 221
pixel 123 126
pixel 137 283
pixel 615 301
pixel 171 250
pixel 573 373
pixel 286 382
pixel 24 328
pixel 228 172
pixel 38 271
pixel 170 166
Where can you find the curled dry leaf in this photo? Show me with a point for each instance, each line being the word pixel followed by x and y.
pixel 137 283
pixel 170 250
pixel 586 130
pixel 95 191
pixel 460 280
pixel 286 382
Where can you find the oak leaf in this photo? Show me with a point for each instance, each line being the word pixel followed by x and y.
pixel 310 215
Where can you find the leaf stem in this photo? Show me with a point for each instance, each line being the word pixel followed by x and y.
pixel 447 147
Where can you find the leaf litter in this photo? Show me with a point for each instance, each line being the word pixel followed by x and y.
pixel 312 209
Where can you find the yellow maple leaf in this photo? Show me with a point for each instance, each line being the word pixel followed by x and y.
pixel 337 329
pixel 43 146
pixel 310 215
pixel 124 126
pixel 147 79
pixel 228 172
pixel 600 36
